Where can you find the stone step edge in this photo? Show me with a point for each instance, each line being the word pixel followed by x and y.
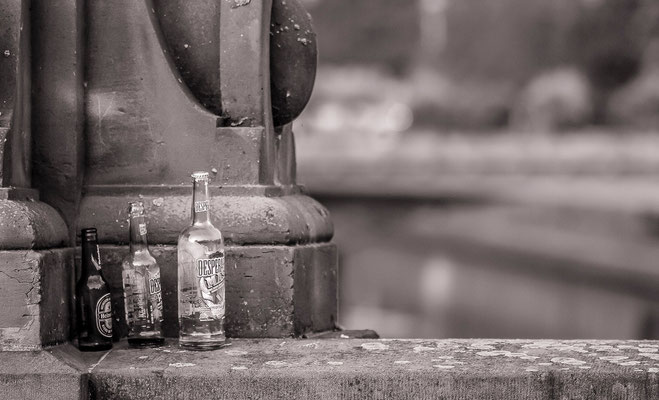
pixel 344 368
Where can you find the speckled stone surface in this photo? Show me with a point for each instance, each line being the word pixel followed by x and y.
pixel 400 369
pixel 38 375
pixel 342 369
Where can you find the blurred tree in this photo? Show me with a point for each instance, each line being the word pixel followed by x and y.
pixel 505 39
pixel 384 33
pixel 607 41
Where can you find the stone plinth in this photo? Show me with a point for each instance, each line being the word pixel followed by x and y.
pixel 35 290
pixel 272 291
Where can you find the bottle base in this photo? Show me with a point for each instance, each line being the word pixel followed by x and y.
pixel 94 346
pixel 202 345
pixel 146 342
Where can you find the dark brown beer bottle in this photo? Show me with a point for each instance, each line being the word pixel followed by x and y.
pixel 94 305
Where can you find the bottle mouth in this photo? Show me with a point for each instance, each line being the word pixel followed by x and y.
pixel 136 207
pixel 199 176
pixel 88 233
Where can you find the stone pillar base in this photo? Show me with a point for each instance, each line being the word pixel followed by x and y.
pixel 272 291
pixel 27 223
pixel 35 272
pixel 35 294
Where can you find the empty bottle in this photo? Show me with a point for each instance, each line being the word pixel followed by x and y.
pixel 141 282
pixel 201 273
pixel 94 305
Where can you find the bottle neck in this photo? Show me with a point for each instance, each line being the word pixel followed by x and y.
pixel 91 258
pixel 137 233
pixel 200 203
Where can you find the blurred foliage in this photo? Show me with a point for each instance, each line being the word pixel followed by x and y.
pixel 492 58
pixel 382 32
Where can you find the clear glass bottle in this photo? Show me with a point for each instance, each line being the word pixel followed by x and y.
pixel 201 273
pixel 94 304
pixel 141 281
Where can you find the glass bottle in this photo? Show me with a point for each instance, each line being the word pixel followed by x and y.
pixel 141 281
pixel 201 273
pixel 94 305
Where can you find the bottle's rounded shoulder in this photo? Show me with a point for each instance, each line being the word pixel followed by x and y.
pixel 200 233
pixel 141 259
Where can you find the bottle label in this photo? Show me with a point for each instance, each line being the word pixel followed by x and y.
pixel 142 228
pixel 134 297
pixel 104 315
pixel 210 275
pixel 155 293
pixel 201 206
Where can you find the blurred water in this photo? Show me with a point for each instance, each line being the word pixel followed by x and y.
pixel 400 279
pixel 490 166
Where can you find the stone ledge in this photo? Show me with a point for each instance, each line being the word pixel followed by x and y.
pixel 357 368
pixel 410 369
pixel 39 375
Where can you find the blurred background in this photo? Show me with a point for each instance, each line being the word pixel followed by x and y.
pixel 491 166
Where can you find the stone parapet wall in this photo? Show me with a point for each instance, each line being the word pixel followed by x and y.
pixel 346 369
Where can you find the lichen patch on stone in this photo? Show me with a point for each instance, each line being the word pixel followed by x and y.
pixel 647 349
pixel 276 364
pixel 375 346
pixel 419 349
pixel 182 365
pixel 605 347
pixel 236 352
pixel 567 360
pixel 629 363
pixel 613 358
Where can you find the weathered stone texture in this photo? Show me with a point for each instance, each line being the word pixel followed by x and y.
pixel 272 291
pixel 35 293
pixel 249 219
pixel 342 369
pixel 400 369
pixel 39 375
pixel 57 103
pixel 30 224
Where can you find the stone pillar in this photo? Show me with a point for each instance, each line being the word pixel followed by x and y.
pixel 35 264
pixel 173 86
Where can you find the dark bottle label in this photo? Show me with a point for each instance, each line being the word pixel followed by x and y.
pixel 104 316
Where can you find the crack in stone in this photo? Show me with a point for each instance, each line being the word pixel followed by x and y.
pixel 16 279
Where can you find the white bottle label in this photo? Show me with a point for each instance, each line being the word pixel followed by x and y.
pixel 201 206
pixel 104 316
pixel 210 275
pixel 142 228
